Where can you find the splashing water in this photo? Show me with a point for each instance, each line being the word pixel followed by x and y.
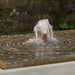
pixel 43 33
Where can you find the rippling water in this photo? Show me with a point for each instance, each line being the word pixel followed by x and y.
pixel 13 51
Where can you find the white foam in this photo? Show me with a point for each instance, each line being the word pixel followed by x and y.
pixel 43 27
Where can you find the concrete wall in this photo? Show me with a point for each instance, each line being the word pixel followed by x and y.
pixel 67 68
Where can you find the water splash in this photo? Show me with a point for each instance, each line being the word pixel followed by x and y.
pixel 43 33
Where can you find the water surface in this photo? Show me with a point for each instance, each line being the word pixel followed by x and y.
pixel 14 51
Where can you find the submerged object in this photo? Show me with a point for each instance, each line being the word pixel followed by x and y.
pixel 44 37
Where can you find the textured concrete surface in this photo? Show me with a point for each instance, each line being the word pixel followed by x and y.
pixel 1 69
pixel 67 68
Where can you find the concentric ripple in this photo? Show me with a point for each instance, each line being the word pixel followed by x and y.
pixel 12 48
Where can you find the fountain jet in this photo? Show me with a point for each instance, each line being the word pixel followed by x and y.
pixel 43 33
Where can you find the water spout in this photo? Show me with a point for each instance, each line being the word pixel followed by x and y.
pixel 43 33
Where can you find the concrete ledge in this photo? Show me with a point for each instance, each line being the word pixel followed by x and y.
pixel 66 68
pixel 1 69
